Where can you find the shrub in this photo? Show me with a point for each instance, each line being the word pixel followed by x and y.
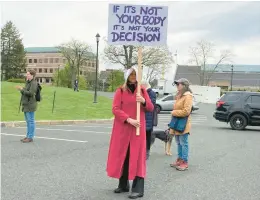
pixel 82 83
pixel 16 80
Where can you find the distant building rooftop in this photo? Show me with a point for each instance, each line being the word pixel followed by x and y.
pixel 41 50
pixel 237 68
pixel 48 50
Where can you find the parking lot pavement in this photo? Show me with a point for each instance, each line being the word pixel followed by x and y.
pixel 69 162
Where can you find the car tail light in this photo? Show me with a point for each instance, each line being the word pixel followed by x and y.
pixel 220 103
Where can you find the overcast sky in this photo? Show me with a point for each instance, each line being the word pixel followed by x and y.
pixel 230 25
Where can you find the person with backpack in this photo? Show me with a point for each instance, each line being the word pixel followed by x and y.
pixel 76 85
pixel 149 117
pixel 29 103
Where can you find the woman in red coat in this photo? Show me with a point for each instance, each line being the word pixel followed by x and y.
pixel 127 151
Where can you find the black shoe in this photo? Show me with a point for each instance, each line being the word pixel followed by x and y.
pixel 135 195
pixel 121 190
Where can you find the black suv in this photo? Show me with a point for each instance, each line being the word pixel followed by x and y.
pixel 239 109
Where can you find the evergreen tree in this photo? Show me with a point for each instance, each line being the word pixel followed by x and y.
pixel 12 53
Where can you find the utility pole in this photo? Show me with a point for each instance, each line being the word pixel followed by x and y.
pixel 163 72
pixel 176 64
pixel 79 52
pixel 58 76
pixel 231 82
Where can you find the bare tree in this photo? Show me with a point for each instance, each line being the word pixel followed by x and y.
pixel 201 54
pixel 153 58
pixel 76 54
pixel 153 72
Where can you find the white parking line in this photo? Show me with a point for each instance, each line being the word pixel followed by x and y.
pixel 85 126
pixel 191 119
pixel 66 130
pixel 46 138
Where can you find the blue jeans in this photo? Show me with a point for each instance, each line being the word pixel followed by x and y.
pixel 29 118
pixel 182 146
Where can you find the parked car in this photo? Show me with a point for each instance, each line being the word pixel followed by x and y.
pixel 239 108
pixel 166 104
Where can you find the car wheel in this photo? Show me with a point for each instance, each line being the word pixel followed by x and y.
pixel 158 108
pixel 238 122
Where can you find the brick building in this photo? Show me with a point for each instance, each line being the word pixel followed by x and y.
pixel 47 60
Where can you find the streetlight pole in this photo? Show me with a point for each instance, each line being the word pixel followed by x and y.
pixel 231 82
pixel 95 95
pixel 112 81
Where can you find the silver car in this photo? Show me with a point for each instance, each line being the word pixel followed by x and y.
pixel 166 104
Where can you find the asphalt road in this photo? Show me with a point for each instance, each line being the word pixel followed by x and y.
pixel 69 162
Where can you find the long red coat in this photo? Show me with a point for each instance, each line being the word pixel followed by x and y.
pixel 123 134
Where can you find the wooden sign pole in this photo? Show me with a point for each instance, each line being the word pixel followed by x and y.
pixel 139 76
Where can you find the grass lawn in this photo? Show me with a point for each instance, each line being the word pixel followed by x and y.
pixel 69 105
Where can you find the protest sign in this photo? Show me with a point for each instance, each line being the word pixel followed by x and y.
pixel 144 25
pixel 137 25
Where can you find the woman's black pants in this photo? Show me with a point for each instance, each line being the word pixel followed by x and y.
pixel 138 183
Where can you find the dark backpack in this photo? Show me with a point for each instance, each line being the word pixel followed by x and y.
pixel 38 93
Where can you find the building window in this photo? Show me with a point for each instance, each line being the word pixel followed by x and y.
pixel 40 60
pixel 35 60
pixel 40 70
pixel 93 64
pixel 45 60
pixel 51 60
pixel 35 69
pixel 30 60
pixel 45 70
pixel 51 70
pixel 47 80
pixel 40 80
pixel 89 64
pixel 80 72
pixel 56 60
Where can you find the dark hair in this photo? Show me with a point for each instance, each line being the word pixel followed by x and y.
pixel 32 72
pixel 186 88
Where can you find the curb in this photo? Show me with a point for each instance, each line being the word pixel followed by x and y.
pixel 55 122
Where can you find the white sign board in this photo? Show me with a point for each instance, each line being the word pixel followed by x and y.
pixel 144 25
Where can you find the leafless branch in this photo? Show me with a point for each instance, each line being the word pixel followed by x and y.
pixel 200 55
